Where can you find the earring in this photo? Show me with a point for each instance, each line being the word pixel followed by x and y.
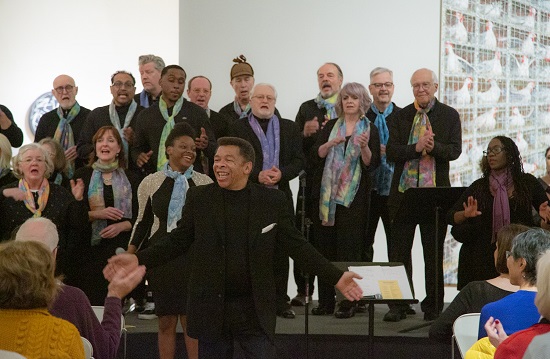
pixel 116 156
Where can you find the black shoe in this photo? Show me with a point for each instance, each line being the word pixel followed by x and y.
pixel 410 311
pixel 361 308
pixel 395 315
pixel 287 314
pixel 345 311
pixel 431 315
pixel 299 300
pixel 322 310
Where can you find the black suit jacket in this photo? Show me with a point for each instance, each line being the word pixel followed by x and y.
pixel 291 157
pixel 202 229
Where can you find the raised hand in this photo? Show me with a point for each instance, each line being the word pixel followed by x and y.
pixel 14 193
pixel 311 127
pixel 544 212
pixel 495 331
pixel 143 158
pixel 124 262
pixel 128 133
pixel 470 208
pixel 202 141
pixel 77 189
pixel 122 282
pixel 70 153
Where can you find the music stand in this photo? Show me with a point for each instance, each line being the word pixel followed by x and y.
pixel 371 300
pixel 416 203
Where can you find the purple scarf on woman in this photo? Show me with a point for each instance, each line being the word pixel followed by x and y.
pixel 500 183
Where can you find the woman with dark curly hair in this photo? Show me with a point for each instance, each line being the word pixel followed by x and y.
pixel 504 194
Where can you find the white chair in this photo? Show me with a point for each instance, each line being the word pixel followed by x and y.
pixel 4 354
pixel 99 310
pixel 465 329
pixel 88 350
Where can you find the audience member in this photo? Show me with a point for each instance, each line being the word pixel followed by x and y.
pixel 110 194
pixel 34 196
pixel 6 174
pixel 64 123
pixel 150 67
pixel 279 159
pixel 232 287
pixel 478 293
pixel 504 194
pixel 424 137
pixel 161 199
pixel 348 150
pixel 155 123
pixel 27 288
pixel 311 118
pixel 72 304
pixel 9 128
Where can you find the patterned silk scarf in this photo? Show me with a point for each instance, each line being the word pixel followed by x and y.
pixel 500 183
pixel 122 193
pixel 342 172
pixel 177 199
pixel 384 173
pixel 329 105
pixel 144 99
pixel 419 172
pixel 242 113
pixel 270 141
pixel 161 156
pixel 64 132
pixel 115 121
pixel 43 194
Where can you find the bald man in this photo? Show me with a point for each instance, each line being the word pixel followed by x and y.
pixel 65 122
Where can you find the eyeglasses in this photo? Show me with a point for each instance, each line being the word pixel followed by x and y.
pixel 380 85
pixel 494 150
pixel 119 85
pixel 508 254
pixel 264 97
pixel 423 85
pixel 67 88
pixel 29 160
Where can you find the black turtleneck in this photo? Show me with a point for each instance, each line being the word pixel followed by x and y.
pixel 264 123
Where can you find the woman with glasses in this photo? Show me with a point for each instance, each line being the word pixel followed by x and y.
pixel 504 194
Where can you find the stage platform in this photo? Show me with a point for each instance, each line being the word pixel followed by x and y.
pixel 329 337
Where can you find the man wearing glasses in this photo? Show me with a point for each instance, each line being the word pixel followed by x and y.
pixel 65 123
pixel 120 113
pixel 279 158
pixel 424 137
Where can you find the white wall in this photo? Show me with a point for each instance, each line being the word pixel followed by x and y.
pixel 286 41
pixel 87 40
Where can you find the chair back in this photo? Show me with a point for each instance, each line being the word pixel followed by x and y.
pixel 4 354
pixel 88 350
pixel 465 329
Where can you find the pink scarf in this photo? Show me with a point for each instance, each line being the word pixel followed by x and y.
pixel 500 183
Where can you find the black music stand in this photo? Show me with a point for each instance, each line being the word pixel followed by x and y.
pixel 416 203
pixel 371 300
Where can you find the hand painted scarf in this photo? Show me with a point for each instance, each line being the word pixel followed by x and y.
pixel 419 172
pixel 242 113
pixel 144 99
pixel 43 194
pixel 177 199
pixel 342 172
pixel 500 183
pixel 64 132
pixel 122 193
pixel 161 156
pixel 383 174
pixel 270 141
pixel 115 121
pixel 328 104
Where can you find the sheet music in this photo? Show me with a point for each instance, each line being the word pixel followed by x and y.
pixel 389 281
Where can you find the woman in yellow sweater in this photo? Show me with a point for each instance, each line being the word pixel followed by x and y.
pixel 27 288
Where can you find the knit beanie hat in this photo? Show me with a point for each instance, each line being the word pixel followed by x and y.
pixel 241 67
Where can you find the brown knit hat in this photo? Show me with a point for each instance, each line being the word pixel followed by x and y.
pixel 241 67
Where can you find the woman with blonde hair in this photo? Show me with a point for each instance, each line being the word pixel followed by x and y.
pixel 6 174
pixel 57 155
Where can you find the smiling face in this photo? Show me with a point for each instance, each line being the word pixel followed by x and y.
pixel 33 165
pixel 182 153
pixel 423 86
pixel 172 84
pixel 242 85
pixel 107 147
pixel 230 168
pixel 123 89
pixel 381 89
pixel 64 91
pixel 150 78
pixel 329 80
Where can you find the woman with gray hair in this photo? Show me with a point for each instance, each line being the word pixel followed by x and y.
pixel 34 196
pixel 347 150
pixel 6 174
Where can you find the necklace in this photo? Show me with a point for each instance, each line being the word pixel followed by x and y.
pixel 108 181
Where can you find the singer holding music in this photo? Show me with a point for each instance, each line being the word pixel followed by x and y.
pixel 110 192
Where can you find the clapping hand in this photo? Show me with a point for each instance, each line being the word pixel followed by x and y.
pixel 495 331
pixel 77 189
pixel 544 212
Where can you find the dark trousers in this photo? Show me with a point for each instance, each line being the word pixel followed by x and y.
pixel 342 242
pixel 378 209
pixel 401 245
pixel 240 327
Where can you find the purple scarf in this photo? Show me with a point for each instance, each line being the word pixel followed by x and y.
pixel 500 183
pixel 270 141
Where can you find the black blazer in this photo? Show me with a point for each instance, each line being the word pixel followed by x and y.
pixel 202 228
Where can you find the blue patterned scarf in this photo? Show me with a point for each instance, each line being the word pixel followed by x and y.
pixel 64 132
pixel 242 113
pixel 270 141
pixel 144 99
pixel 115 121
pixel 177 199
pixel 384 173
pixel 328 104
